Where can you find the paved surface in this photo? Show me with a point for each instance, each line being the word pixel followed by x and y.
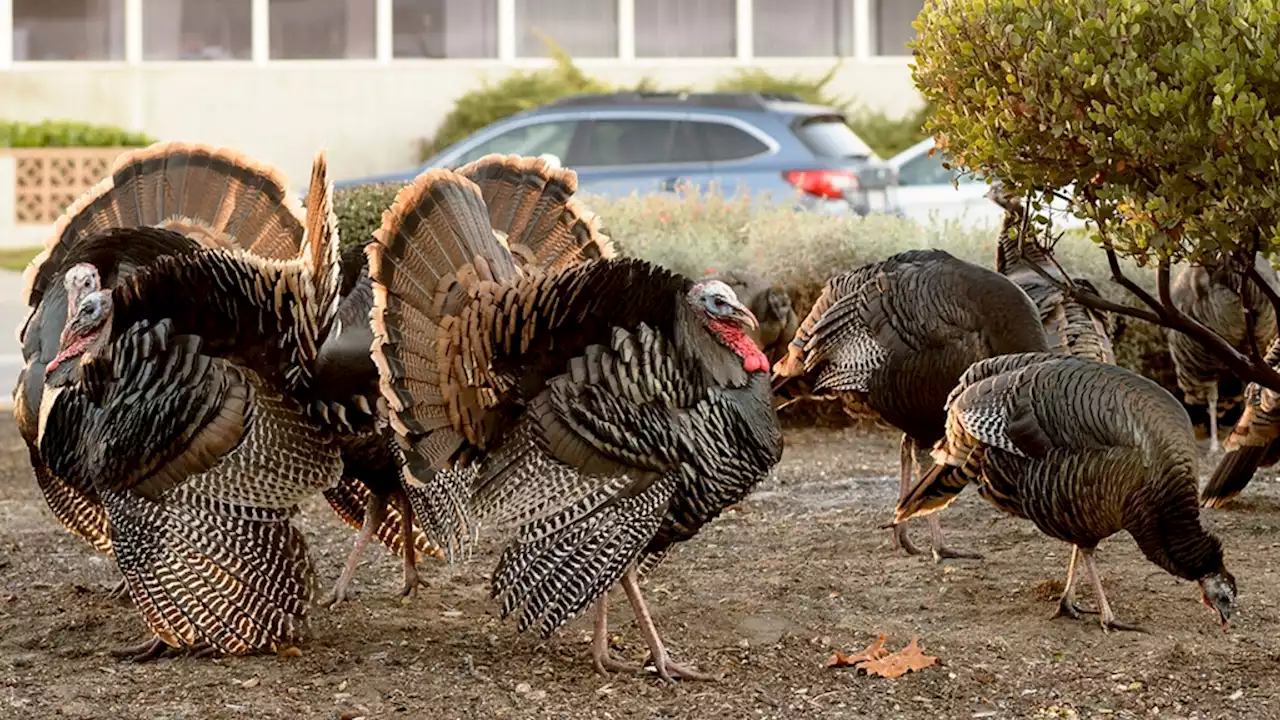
pixel 12 313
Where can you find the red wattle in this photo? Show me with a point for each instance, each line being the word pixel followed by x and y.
pixel 753 360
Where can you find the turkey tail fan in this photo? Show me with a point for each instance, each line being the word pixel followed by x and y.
pixel 532 206
pixel 441 502
pixel 321 252
pixel 350 498
pixel 937 489
pixel 1233 473
pixel 216 196
pixel 211 575
pixel 434 246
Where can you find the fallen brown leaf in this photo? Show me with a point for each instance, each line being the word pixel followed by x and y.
pixel 874 651
pixel 908 659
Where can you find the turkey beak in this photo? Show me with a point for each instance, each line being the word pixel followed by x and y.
pixel 747 317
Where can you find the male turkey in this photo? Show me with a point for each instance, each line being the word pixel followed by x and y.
pixel 215 198
pixel 898 334
pixel 1251 444
pixel 1072 328
pixel 1084 450
pixel 523 195
pixel 181 396
pixel 1213 296
pixel 609 408
pixel 772 307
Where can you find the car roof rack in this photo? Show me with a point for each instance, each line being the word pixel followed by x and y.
pixel 723 100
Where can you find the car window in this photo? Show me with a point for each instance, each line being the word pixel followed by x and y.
pixel 721 142
pixel 627 142
pixel 828 136
pixel 534 139
pixel 925 170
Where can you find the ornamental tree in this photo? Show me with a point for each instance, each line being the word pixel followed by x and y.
pixel 1159 120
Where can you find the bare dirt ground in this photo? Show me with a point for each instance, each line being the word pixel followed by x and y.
pixel 764 595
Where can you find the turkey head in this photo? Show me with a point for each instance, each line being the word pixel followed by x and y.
pixel 87 331
pixel 1218 592
pixel 728 320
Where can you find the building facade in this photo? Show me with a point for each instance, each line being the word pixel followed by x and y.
pixel 367 79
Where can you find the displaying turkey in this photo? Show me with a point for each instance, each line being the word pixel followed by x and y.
pixel 608 408
pixel 521 195
pixel 1251 444
pixel 772 307
pixel 1084 450
pixel 898 334
pixel 1213 296
pixel 216 199
pixel 181 397
pixel 1072 328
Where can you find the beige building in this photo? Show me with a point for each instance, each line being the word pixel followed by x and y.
pixel 367 78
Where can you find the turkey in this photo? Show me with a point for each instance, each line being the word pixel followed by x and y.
pixel 1072 328
pixel 772 307
pixel 1084 450
pixel 181 396
pixel 1213 297
pixel 1251 444
pixel 520 193
pixel 216 199
pixel 607 408
pixel 898 334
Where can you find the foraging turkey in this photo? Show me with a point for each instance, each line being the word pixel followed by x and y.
pixel 181 396
pixel 608 407
pixel 520 194
pixel 201 183
pixel 1251 444
pixel 772 307
pixel 1084 450
pixel 1072 328
pixel 899 333
pixel 1213 296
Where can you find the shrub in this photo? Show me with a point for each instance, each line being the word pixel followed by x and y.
pixel 889 136
pixel 51 133
pixel 359 210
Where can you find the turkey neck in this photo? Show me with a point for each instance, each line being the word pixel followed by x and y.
pixel 720 364
pixel 1164 520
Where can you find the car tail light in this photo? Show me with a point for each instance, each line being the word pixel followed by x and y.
pixel 831 184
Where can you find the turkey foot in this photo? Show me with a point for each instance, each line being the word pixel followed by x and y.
pixel 666 668
pixel 604 660
pixel 940 549
pixel 120 591
pixel 1214 446
pixel 901 541
pixel 411 578
pixel 145 651
pixel 1109 621
pixel 375 510
pixel 1067 606
pixel 906 457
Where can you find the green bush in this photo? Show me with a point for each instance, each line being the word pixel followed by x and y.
pixel 1166 111
pixel 889 136
pixel 359 210
pixel 51 133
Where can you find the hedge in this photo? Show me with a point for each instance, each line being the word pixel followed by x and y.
pixel 61 133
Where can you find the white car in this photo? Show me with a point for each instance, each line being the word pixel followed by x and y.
pixel 928 192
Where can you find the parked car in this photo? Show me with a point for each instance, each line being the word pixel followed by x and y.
pixel 772 146
pixel 928 192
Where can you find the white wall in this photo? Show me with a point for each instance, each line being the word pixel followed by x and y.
pixel 366 114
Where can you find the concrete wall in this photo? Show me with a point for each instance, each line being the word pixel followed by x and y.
pixel 368 115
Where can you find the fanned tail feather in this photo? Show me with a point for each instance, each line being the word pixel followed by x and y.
pixel 210 575
pixel 938 488
pixel 321 251
pixel 441 505
pixel 1232 475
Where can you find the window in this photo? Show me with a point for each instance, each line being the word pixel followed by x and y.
pixel 721 142
pixel 686 28
pixel 803 28
pixel 627 142
pixel 925 170
pixel 197 29
pixel 321 29
pixel 445 28
pixel 68 29
pixel 583 28
pixel 548 138
pixel 893 25
pixel 828 136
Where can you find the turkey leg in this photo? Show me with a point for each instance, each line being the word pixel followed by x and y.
pixel 1067 603
pixel 1109 621
pixel 375 510
pixel 411 578
pixel 905 458
pixel 604 660
pixel 1214 447
pixel 667 669
pixel 940 549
